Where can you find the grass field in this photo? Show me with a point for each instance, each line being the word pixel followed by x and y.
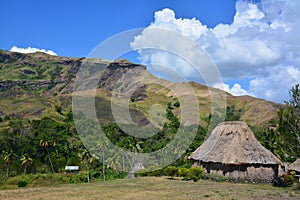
pixel 153 188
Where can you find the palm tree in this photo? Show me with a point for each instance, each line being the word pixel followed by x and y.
pixel 101 149
pixel 44 143
pixel 26 161
pixel 7 158
pixel 89 159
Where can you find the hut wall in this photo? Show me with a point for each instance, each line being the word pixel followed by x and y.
pixel 251 172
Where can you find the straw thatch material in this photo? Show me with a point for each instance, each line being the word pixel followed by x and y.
pixel 232 150
pixel 295 166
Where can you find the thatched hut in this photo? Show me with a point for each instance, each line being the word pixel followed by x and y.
pixel 233 151
pixel 295 166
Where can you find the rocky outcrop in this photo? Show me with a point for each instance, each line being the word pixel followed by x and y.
pixel 15 85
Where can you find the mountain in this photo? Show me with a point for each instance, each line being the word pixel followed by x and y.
pixel 38 85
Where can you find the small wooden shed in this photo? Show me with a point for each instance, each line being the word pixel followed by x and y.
pixel 72 169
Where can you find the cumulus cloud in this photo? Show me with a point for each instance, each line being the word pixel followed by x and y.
pixel 236 89
pixel 32 50
pixel 276 84
pixel 260 44
pixel 188 27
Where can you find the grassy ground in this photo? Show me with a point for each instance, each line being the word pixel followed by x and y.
pixel 153 188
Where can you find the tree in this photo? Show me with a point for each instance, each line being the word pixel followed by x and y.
pixel 26 161
pixel 232 114
pixel 289 124
pixel 270 139
pixel 45 144
pixel 7 158
pixel 89 159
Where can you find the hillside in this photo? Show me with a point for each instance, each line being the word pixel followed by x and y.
pixel 40 93
pixel 33 85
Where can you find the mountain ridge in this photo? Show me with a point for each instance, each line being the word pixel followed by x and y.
pixel 32 85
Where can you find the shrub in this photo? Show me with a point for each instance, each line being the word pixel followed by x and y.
pixel 206 176
pixel 176 104
pixel 6 118
pixel 78 178
pixel 153 171
pixel 279 182
pixel 288 179
pixel 184 173
pixel 220 179
pixel 95 174
pixel 156 173
pixel 231 179
pixel 171 171
pixel 170 107
pixel 293 173
pixel 150 171
pixel 113 174
pixel 22 183
pixel 195 173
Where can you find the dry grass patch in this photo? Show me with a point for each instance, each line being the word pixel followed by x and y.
pixel 153 188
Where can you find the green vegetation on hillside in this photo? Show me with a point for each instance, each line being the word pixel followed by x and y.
pixel 38 135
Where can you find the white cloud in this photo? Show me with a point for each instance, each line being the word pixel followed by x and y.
pixel 32 50
pixel 222 86
pixel 276 84
pixel 236 90
pixel 259 40
pixel 188 27
pixel 247 14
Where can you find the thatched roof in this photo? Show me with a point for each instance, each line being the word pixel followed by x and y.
pixel 233 143
pixel 295 166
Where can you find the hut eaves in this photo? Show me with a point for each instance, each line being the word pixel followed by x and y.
pixel 233 143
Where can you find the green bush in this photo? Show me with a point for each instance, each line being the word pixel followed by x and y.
pixel 231 179
pixel 79 178
pixel 150 171
pixel 176 104
pixel 171 171
pixel 6 118
pixel 184 173
pixel 22 183
pixel 95 174
pixel 195 173
pixel 156 173
pixel 221 179
pixel 217 178
pixel 289 179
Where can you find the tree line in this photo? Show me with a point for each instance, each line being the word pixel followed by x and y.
pixel 47 145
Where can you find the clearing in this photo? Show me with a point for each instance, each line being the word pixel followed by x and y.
pixel 153 188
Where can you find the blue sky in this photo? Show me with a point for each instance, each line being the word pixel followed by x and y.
pixel 255 44
pixel 74 28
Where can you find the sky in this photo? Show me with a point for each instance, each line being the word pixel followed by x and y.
pixel 254 44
